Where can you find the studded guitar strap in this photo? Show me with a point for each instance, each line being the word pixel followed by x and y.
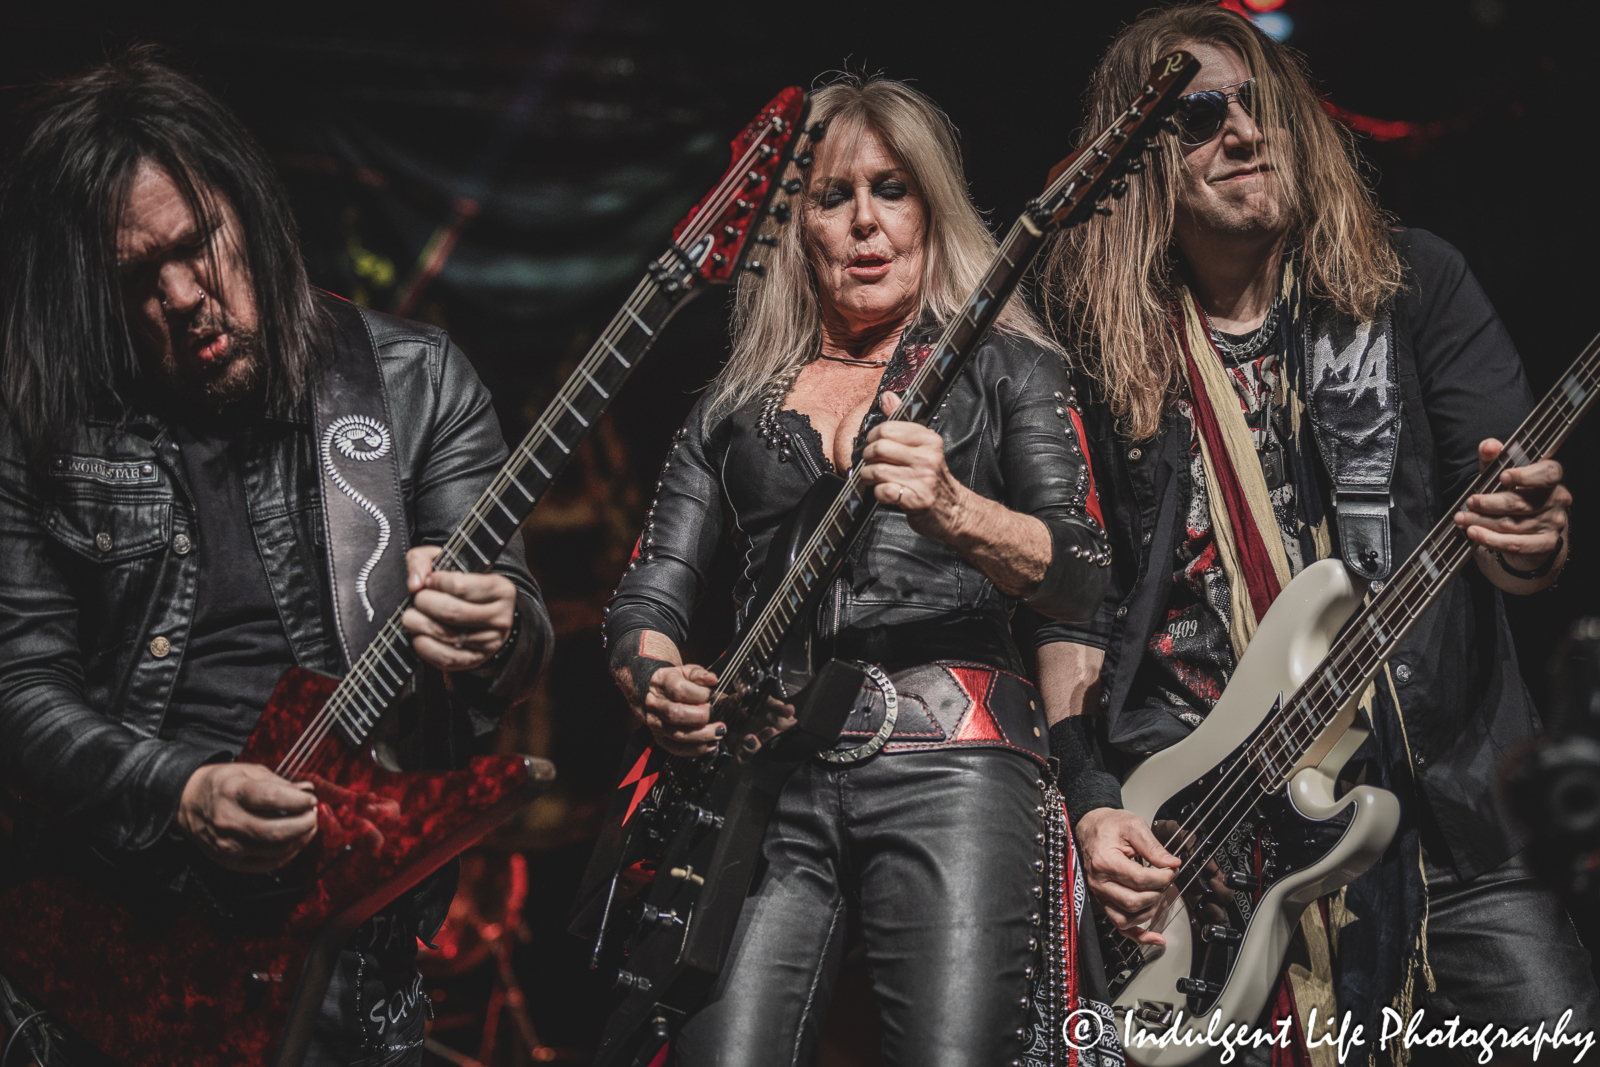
pixel 363 516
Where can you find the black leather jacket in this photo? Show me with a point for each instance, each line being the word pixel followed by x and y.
pixel 902 598
pixel 98 584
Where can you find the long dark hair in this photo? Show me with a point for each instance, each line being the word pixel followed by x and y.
pixel 65 347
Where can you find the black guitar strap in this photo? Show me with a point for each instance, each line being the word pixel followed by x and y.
pixel 1355 415
pixel 363 516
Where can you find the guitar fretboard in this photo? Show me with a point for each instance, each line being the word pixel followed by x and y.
pixel 819 563
pixel 1359 652
pixel 382 671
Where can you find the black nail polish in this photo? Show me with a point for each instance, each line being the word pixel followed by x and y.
pixel 722 731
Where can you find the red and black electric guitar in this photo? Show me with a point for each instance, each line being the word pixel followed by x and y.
pixel 674 863
pixel 234 971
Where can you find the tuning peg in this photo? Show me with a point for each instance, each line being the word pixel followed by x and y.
pixel 1119 187
pixel 766 151
pixel 1133 166
pixel 1102 155
pixel 802 160
pixel 779 212
pixel 1150 92
pixel 753 179
pixel 766 239
pixel 1168 125
pixel 792 185
pixel 755 267
pixel 816 130
pixel 1101 209
pixel 742 206
pixel 1152 146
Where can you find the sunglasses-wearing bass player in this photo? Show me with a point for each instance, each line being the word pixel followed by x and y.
pixel 1280 375
pixel 933 848
pixel 165 555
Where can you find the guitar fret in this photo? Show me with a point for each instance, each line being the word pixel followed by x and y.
pixel 508 512
pixel 550 433
pixel 514 480
pixel 648 332
pixel 613 348
pixel 542 469
pixel 603 394
pixel 575 414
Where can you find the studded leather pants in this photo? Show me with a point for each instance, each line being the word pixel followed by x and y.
pixel 930 856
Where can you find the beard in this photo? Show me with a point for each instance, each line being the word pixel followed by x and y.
pixel 216 387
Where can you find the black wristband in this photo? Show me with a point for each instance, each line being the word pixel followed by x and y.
pixel 1084 782
pixel 1538 572
pixel 641 668
pixel 503 653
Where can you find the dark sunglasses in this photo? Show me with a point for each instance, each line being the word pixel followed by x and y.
pixel 1200 115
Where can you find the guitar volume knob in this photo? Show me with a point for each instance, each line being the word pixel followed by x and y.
pixel 1221 934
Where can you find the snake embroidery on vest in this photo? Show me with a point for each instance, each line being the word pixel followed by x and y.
pixel 360 438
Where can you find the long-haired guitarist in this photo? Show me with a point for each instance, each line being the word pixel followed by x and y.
pixel 164 548
pixel 932 847
pixel 1281 376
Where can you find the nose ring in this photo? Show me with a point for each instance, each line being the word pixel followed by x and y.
pixel 199 298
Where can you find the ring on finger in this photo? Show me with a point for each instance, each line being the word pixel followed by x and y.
pixel 900 497
pixel 460 640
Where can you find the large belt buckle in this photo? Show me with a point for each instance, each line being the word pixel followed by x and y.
pixel 874 744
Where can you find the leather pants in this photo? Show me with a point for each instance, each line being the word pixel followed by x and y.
pixel 930 854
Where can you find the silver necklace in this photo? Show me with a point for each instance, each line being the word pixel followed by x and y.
pixel 1255 342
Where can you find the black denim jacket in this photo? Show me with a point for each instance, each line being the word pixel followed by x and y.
pixel 1461 694
pixel 902 598
pixel 98 583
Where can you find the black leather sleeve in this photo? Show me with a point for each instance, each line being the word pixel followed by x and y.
pixel 56 749
pixel 1047 475
pixel 449 465
pixel 679 542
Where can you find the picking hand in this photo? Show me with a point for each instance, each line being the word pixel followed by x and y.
pixel 677 710
pixel 1113 843
pixel 246 818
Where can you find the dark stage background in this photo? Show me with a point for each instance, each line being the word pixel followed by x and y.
pixel 584 129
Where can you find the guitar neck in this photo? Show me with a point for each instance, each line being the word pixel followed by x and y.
pixel 819 563
pixel 381 672
pixel 1360 651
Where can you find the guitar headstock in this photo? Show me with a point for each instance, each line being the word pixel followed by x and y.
pixel 1081 183
pixel 716 238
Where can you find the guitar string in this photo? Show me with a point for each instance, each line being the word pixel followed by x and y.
pixel 1440 540
pixel 1446 541
pixel 712 210
pixel 733 675
pixel 716 204
pixel 1301 712
pixel 1443 540
pixel 1311 704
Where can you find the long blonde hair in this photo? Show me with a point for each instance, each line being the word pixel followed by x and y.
pixel 777 318
pixel 1109 286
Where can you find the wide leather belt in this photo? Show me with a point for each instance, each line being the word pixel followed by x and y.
pixel 953 703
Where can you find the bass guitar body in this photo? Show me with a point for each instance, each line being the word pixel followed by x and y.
pixel 233 970
pixel 674 864
pixel 1228 924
